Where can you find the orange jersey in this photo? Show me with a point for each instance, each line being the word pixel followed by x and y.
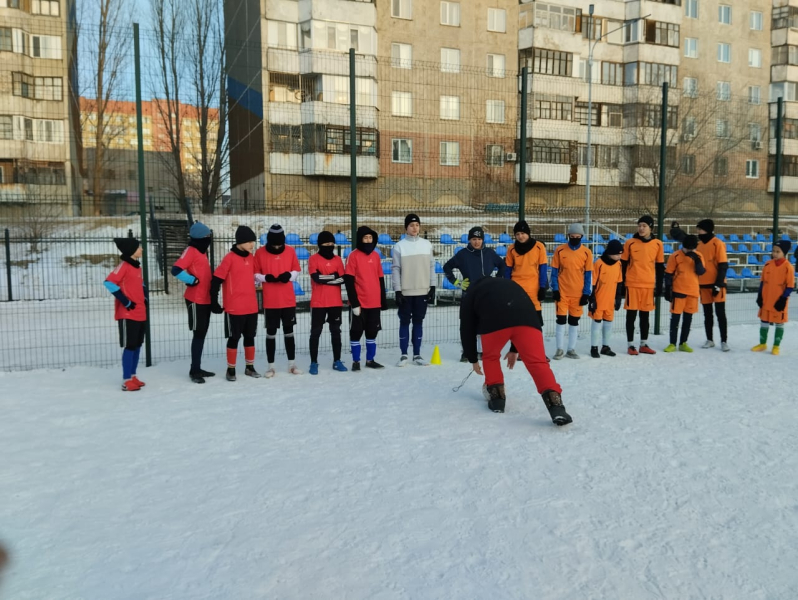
pixel 605 284
pixel 642 258
pixel 713 252
pixel 571 267
pixel 685 279
pixel 526 268
pixel 776 279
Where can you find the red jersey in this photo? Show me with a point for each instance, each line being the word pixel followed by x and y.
pixel 196 263
pixel 322 295
pixel 277 295
pixel 130 281
pixel 367 271
pixel 238 289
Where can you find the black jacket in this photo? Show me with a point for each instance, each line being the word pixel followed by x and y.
pixel 492 304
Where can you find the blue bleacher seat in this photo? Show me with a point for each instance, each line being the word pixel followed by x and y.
pixel 761 238
pixel 733 238
pixel 747 237
pixel 384 239
pixel 501 251
pixel 599 239
pixel 298 291
pixel 377 251
pixel 599 250
pixel 786 236
pixel 665 238
pixel 446 239
pixel 505 239
pixel 742 248
pixel 403 236
pixel 721 237
pixel 262 239
pixel 732 274
pixel 667 248
pixel 559 238
pixel 768 247
pixel 347 252
pixel 293 239
pixel 753 260
pixel 314 239
pixel 792 258
pixel 302 253
pixel 615 236
pixel 729 248
pixel 629 236
pixel 340 238
pixel 488 239
pixel 387 267
pixel 757 247
pixel 459 248
pixel 746 273
pixel 447 285
pixel 438 267
pixel 464 238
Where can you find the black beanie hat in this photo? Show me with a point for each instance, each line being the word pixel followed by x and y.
pixel 276 235
pixel 127 245
pixel 647 219
pixel 785 246
pixel 613 247
pixel 244 234
pixel 325 237
pixel 476 232
pixel 522 226
pixel 707 225
pixel 412 218
pixel 690 242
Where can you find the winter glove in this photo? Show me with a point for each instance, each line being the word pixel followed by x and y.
pixel 463 285
pixel 131 305
pixel 759 300
pixel 668 295
pixel 781 303
pixel 591 305
pixel 284 277
pixel 584 299
pixel 259 278
pixel 541 294
pixel 431 295
pixel 400 299
pixel 384 303
pixel 618 302
pixel 356 311
pixel 555 294
pixel 715 290
pixel 216 308
pixel 271 279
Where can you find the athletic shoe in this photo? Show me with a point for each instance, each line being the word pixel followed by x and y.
pixel 373 364
pixel 130 386
pixel 775 351
pixel 314 368
pixel 607 351
pixel 571 354
pixel 196 377
pixel 270 372
pixel 355 365
pixel 594 352
pixel 231 374
pixel 419 361
pixel 724 346
pixel 558 354
pixel 685 348
pixel 403 361
pixel 205 373
pixel 294 370
pixel 250 371
pixel 646 349
pixel 632 351
pixel 494 394
pixel 463 358
pixel 139 381
pixel 670 348
pixel 339 366
pixel 759 348
pixel 708 344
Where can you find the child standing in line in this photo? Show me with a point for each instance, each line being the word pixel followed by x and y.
pixel 326 277
pixel 778 279
pixel 528 265
pixel 682 290
pixel 126 285
pixel 571 278
pixel 606 298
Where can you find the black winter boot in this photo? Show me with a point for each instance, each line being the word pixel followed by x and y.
pixel 494 394
pixel 553 402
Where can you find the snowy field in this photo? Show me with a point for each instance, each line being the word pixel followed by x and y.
pixel 678 479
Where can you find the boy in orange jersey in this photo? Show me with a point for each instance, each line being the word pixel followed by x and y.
pixel 528 265
pixel 713 281
pixel 682 290
pixel 571 278
pixel 606 298
pixel 643 262
pixel 778 279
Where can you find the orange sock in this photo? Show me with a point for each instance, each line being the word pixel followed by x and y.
pixel 249 354
pixel 231 357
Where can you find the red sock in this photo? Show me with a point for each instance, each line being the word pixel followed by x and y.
pixel 231 357
pixel 249 354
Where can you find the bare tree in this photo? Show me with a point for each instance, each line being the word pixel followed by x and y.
pixel 38 220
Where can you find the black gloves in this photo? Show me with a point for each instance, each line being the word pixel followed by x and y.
pixel 668 295
pixel 271 278
pixel 781 303
pixel 400 299
pixel 715 290
pixel 384 303
pixel 618 302
pixel 284 277
pixel 216 308
pixel 131 305
pixel 591 304
pixel 431 295
pixel 585 298
pixel 555 294
pixel 759 299
pixel 541 294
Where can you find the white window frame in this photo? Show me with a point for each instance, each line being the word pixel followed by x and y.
pixel 722 128
pixel 284 30
pixel 754 97
pixel 401 55
pixel 724 52
pixel 497 63
pixel 723 89
pixel 491 155
pixel 691 9
pixel 691 47
pixel 402 9
pixel 725 14
pixel 49 46
pixel 450 13
pixel 50 8
pixel 448 65
pixel 497 20
pixel 755 20
pixel 755 132
pixel 494 111
pixel 690 89
pixel 755 58
pixel 450 154
pixel 450 108
pixel 396 151
pixel 401 104
pixel 752 169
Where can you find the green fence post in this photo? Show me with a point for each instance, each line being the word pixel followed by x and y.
pixel 661 198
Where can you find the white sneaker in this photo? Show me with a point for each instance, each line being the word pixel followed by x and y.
pixel 559 354
pixel 724 346
pixel 294 370
pixel 418 360
pixel 270 372
pixel 571 354
pixel 403 361
pixel 708 344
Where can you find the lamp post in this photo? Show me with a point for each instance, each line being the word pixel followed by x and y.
pixel 592 46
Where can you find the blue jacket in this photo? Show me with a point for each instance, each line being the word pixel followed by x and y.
pixel 474 264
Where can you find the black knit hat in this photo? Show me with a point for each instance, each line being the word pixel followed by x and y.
pixel 127 245
pixel 276 235
pixel 647 219
pixel 412 218
pixel 707 225
pixel 690 242
pixel 325 237
pixel 785 246
pixel 476 232
pixel 244 234
pixel 522 226
pixel 613 247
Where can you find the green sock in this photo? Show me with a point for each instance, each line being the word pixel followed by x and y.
pixel 763 335
pixel 779 335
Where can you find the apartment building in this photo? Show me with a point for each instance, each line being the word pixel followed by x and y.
pixel 784 83
pixel 38 108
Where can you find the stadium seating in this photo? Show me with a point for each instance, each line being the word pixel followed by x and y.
pixel 314 239
pixel 341 239
pixel 302 253
pixel 298 291
pixel 733 238
pixel 384 239
pixel 464 238
pixel 447 285
pixel 293 239
pixel 446 239
pixel 387 267
pixel 559 238
pixel 599 250
pixel 438 267
pixel 501 251
pixel 505 239
pixel 747 237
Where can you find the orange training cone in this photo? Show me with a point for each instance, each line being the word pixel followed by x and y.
pixel 436 357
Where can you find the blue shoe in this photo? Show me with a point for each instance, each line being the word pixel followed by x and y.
pixel 339 366
pixel 314 368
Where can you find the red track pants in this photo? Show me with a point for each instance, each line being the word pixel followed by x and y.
pixel 529 343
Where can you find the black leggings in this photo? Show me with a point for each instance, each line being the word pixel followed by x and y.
pixel 687 320
pixel 318 317
pixel 631 317
pixel 720 310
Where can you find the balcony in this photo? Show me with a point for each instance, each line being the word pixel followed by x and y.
pixel 282 60
pixel 285 113
pixel 327 113
pixel 337 63
pixel 788 184
pixel 281 163
pixel 545 173
pixel 337 165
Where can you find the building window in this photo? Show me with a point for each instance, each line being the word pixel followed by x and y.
pixel 784 16
pixel 649 74
pixel 550 16
pixel 724 14
pixel 784 89
pixel 5 39
pixel 558 108
pixel 402 150
pixel 402 9
pixel 552 62
pixel 497 20
pixel 789 166
pixel 785 55
pixel 450 13
pixel 691 9
pixel 494 155
pixel 663 34
pixel 754 94
pixel 496 65
pixel 402 104
pixel 553 152
pixel 45 7
pixel 284 87
pixel 724 53
pixel 526 16
pixel 752 169
pixel 450 108
pixel 689 126
pixel 46 46
pixel 450 60
pixel 722 128
pixel 648 115
pixel 494 111
pixel 582 112
pixel 6 127
pixel 690 87
pixel 691 47
pixel 450 154
pixel 23 85
pixel 754 132
pixel 688 164
pixel 611 73
pixel 603 157
pixel 724 91
pixel 284 35
pixel 401 56
pixel 48 88
pixel 51 132
pixel 285 138
pixel 591 27
pixel 611 115
pixel 755 58
pixel 755 20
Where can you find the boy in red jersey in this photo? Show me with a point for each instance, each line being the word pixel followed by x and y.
pixel 126 285
pixel 277 267
pixel 235 276
pixel 365 289
pixel 778 280
pixel 193 269
pixel 326 277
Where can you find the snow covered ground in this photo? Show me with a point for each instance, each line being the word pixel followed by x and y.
pixel 677 479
